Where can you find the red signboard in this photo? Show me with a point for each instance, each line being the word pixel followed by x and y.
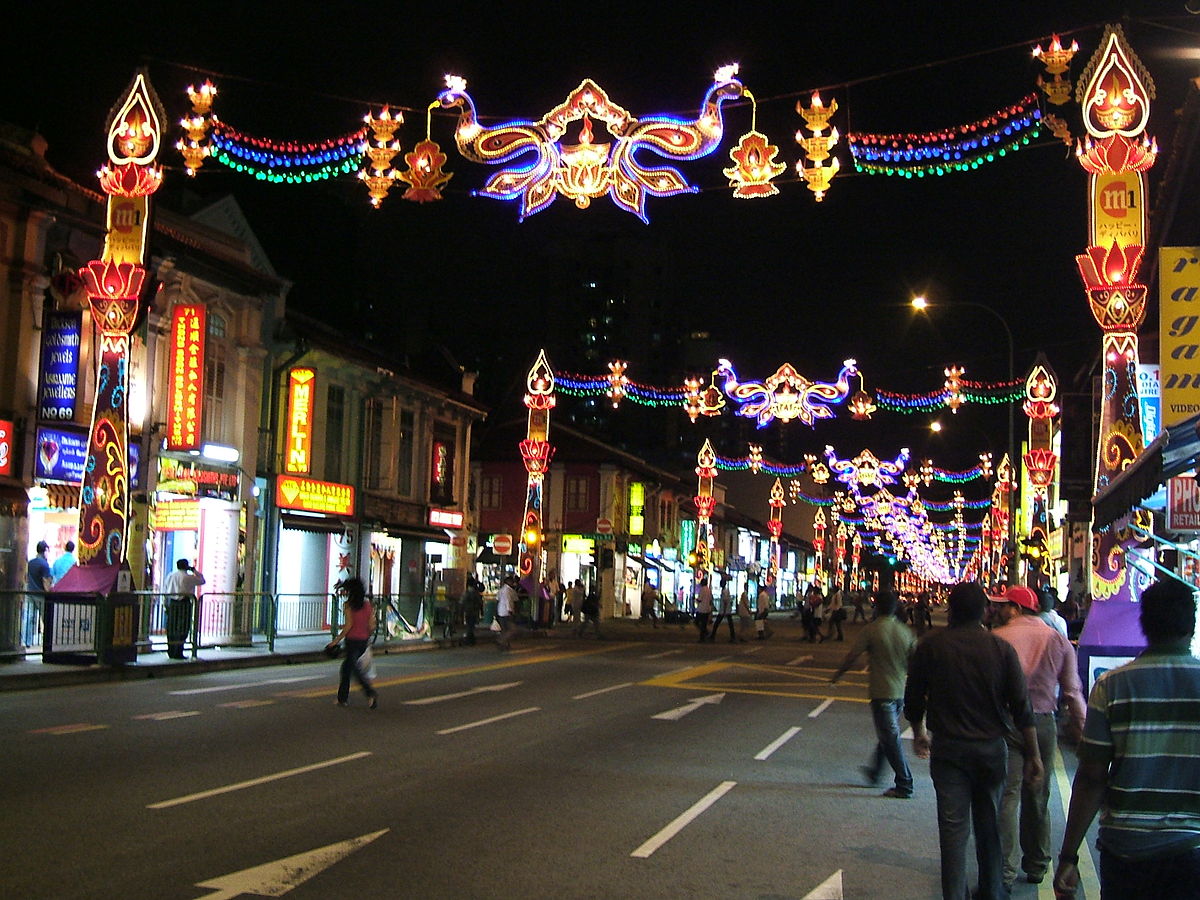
pixel 185 394
pixel 6 431
pixel 310 495
pixel 301 383
pixel 445 518
pixel 1183 504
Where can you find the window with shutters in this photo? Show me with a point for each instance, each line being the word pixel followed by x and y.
pixel 216 428
pixel 379 443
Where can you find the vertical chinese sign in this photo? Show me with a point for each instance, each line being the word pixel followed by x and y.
pixel 114 287
pixel 185 395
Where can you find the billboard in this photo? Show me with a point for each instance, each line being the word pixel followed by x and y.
pixel 185 389
pixel 58 374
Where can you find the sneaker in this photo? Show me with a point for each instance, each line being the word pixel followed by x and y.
pixel 373 701
pixel 896 794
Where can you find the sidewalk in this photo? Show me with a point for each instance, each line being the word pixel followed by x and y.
pixel 33 673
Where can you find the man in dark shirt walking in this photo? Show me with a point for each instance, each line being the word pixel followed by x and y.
pixel 970 685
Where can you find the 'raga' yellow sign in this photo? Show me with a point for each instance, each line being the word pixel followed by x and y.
pixel 310 495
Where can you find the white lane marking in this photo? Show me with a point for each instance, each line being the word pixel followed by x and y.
pixel 766 751
pixel 798 660
pixel 644 851
pixel 245 704
pixel 519 712
pixel 679 712
pixel 170 714
pixel 829 889
pixel 661 655
pixel 1089 880
pixel 478 690
pixel 750 650
pixel 612 687
pixel 820 709
pixel 74 728
pixel 253 782
pixel 274 879
pixel 243 684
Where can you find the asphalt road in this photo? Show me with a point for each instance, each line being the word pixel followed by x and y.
pixel 642 766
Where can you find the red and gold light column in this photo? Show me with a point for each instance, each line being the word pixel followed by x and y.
pixel 706 473
pixel 819 527
pixel 1114 94
pixel 114 287
pixel 1001 510
pixel 1041 465
pixel 536 453
pixel 775 528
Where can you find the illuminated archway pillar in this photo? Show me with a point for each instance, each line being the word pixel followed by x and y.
pixel 1115 92
pixel 706 474
pixel 114 288
pixel 536 453
pixel 1041 464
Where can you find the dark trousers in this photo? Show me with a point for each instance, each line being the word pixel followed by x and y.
pixel 471 620
pixel 716 626
pixel 702 624
pixel 968 777
pixel 1162 877
pixel 179 623
pixel 354 649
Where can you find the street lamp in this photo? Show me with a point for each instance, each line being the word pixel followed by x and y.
pixel 923 305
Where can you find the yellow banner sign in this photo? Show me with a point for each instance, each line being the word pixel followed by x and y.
pixel 1179 332
pixel 178 515
pixel 301 383
pixel 310 495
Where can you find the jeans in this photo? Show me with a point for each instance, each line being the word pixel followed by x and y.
pixel 1025 840
pixel 354 649
pixel 31 619
pixel 886 714
pixel 968 777
pixel 1162 877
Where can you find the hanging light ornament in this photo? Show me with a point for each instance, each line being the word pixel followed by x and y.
pixel 691 397
pixel 755 458
pixel 378 175
pixel 1057 61
pixel 786 395
pixel 816 116
pixel 617 382
pixel 861 403
pixel 424 175
pixel 194 146
pixel 953 387
pixel 754 161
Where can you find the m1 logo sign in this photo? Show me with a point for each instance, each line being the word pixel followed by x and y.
pixel 1183 504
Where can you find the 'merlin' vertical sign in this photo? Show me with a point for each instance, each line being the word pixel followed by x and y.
pixel 301 384
pixel 59 372
pixel 186 394
pixel 1179 332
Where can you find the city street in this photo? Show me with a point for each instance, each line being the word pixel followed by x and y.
pixel 644 765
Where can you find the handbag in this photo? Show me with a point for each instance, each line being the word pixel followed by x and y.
pixel 366 665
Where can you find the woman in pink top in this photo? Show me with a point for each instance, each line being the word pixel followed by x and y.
pixel 358 617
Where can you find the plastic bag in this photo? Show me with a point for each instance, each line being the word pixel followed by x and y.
pixel 366 665
pixel 496 625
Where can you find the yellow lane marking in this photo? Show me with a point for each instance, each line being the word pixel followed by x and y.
pixel 68 729
pixel 463 670
pixel 246 704
pixel 692 679
pixel 1089 879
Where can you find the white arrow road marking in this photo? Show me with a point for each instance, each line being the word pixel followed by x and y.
pixel 614 687
pixel 680 823
pixel 820 709
pixel 519 712
pixel 679 712
pixel 241 685
pixel 766 751
pixel 829 889
pixel 479 690
pixel 798 660
pixel 274 879
pixel 661 655
pixel 170 714
pixel 204 795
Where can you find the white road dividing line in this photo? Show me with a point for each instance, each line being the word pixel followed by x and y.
pixel 170 714
pixel 661 655
pixel 243 685
pixel 1089 880
pixel 750 650
pixel 487 688
pixel 613 687
pixel 766 751
pixel 798 660
pixel 519 712
pixel 229 788
pixel 820 709
pixel 644 851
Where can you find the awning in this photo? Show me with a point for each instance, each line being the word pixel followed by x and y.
pixel 423 532
pixel 319 524
pixel 1173 452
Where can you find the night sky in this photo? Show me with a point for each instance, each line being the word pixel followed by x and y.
pixel 776 280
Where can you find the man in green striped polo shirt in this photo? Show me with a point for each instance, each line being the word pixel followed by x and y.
pixel 1139 763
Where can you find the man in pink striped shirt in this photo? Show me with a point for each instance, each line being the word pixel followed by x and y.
pixel 1048 661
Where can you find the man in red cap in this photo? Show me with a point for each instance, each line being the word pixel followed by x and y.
pixel 1048 661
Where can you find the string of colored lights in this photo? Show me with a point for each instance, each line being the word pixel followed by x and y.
pixel 353 140
pixel 950 150
pixel 745 463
